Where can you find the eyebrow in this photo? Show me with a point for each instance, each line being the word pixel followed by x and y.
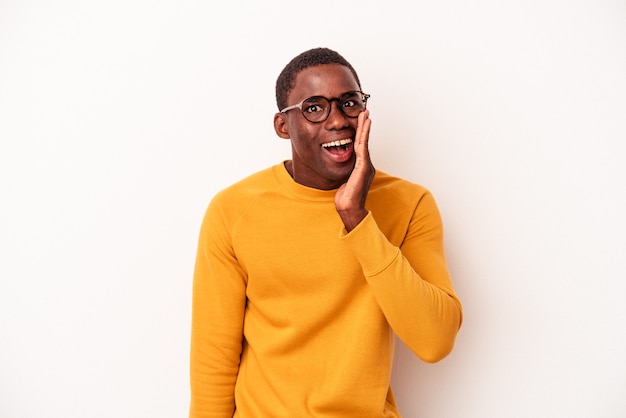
pixel 343 95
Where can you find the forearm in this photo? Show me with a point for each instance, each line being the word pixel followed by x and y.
pixel 423 311
pixel 425 317
pixel 214 360
pixel 213 373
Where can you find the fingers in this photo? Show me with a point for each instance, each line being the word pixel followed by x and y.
pixel 362 134
pixel 363 127
pixel 362 137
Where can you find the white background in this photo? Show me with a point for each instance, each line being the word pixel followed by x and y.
pixel 119 120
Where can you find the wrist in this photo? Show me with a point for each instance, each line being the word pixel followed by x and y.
pixel 352 217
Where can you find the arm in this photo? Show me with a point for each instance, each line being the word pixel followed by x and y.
pixel 412 285
pixel 217 321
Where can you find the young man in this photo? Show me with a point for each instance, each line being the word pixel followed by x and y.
pixel 305 270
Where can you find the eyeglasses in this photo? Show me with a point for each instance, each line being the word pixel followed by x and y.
pixel 317 108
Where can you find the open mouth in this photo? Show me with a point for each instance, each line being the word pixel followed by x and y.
pixel 337 146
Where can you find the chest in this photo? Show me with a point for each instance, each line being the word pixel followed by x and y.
pixel 296 250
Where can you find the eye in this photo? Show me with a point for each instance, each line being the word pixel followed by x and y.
pixel 314 108
pixel 314 105
pixel 351 99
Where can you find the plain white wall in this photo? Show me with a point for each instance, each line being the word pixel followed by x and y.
pixel 119 120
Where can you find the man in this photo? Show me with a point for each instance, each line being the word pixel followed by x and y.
pixel 306 269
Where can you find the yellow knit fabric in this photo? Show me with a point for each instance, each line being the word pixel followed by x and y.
pixel 292 317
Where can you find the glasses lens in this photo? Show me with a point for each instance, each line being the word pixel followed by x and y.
pixel 352 103
pixel 315 109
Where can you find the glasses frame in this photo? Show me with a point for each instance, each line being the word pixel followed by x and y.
pixel 364 97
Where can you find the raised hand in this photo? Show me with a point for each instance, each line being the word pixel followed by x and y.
pixel 350 197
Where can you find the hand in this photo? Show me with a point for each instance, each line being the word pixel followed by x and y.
pixel 350 197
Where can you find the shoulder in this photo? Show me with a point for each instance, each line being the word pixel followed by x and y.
pixel 400 205
pixel 238 198
pixel 248 187
pixel 388 187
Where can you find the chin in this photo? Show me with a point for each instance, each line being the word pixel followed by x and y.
pixel 342 176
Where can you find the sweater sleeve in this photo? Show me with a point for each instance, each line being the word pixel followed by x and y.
pixel 218 304
pixel 411 284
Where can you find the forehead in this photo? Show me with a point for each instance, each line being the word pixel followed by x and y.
pixel 329 80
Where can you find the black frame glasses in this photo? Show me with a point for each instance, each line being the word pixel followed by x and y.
pixel 316 109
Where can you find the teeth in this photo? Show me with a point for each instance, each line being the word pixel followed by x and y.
pixel 337 143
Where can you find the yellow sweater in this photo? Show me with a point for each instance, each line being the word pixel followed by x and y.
pixel 293 317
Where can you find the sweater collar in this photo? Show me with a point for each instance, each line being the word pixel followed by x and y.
pixel 298 190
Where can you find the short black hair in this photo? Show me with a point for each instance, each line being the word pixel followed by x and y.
pixel 313 57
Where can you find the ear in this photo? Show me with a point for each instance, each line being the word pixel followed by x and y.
pixel 280 125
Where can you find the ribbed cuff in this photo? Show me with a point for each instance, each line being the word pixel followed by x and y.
pixel 370 246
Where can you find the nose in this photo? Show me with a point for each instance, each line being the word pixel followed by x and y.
pixel 336 118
